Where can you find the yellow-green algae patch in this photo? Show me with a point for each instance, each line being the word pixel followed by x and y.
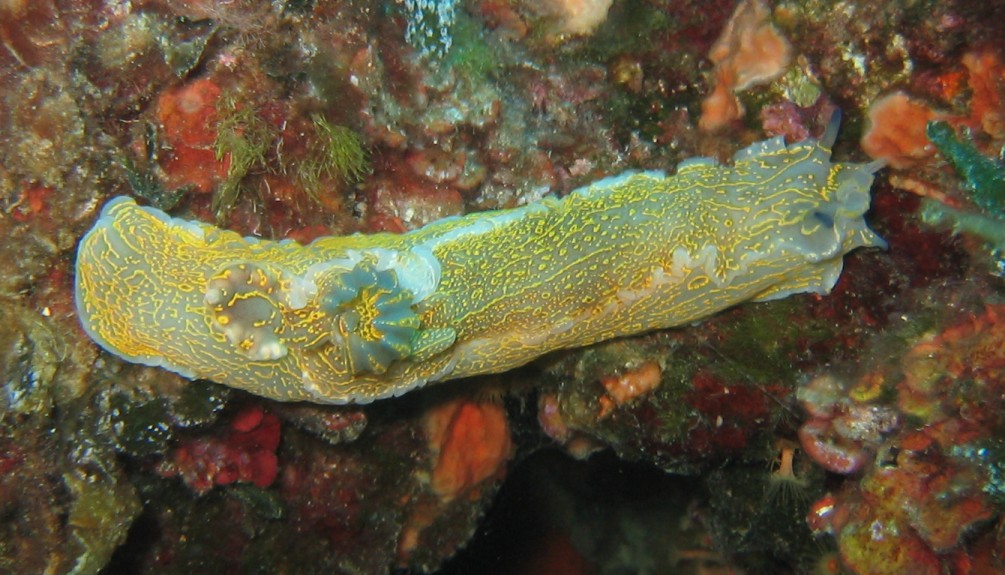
pixel 363 317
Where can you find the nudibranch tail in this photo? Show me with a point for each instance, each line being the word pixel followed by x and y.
pixel 358 318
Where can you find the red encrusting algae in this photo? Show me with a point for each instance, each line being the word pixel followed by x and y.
pixel 896 131
pixel 930 463
pixel 470 443
pixel 188 116
pixel 245 452
pixel 750 51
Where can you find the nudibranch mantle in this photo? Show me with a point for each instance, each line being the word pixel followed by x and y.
pixel 364 317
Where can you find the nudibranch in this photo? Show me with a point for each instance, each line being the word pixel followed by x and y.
pixel 364 317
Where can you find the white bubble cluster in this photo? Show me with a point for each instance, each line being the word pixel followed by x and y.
pixel 429 24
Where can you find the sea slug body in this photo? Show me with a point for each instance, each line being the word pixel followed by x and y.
pixel 363 317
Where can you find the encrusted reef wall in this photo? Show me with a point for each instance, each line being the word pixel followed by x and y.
pixel 844 417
